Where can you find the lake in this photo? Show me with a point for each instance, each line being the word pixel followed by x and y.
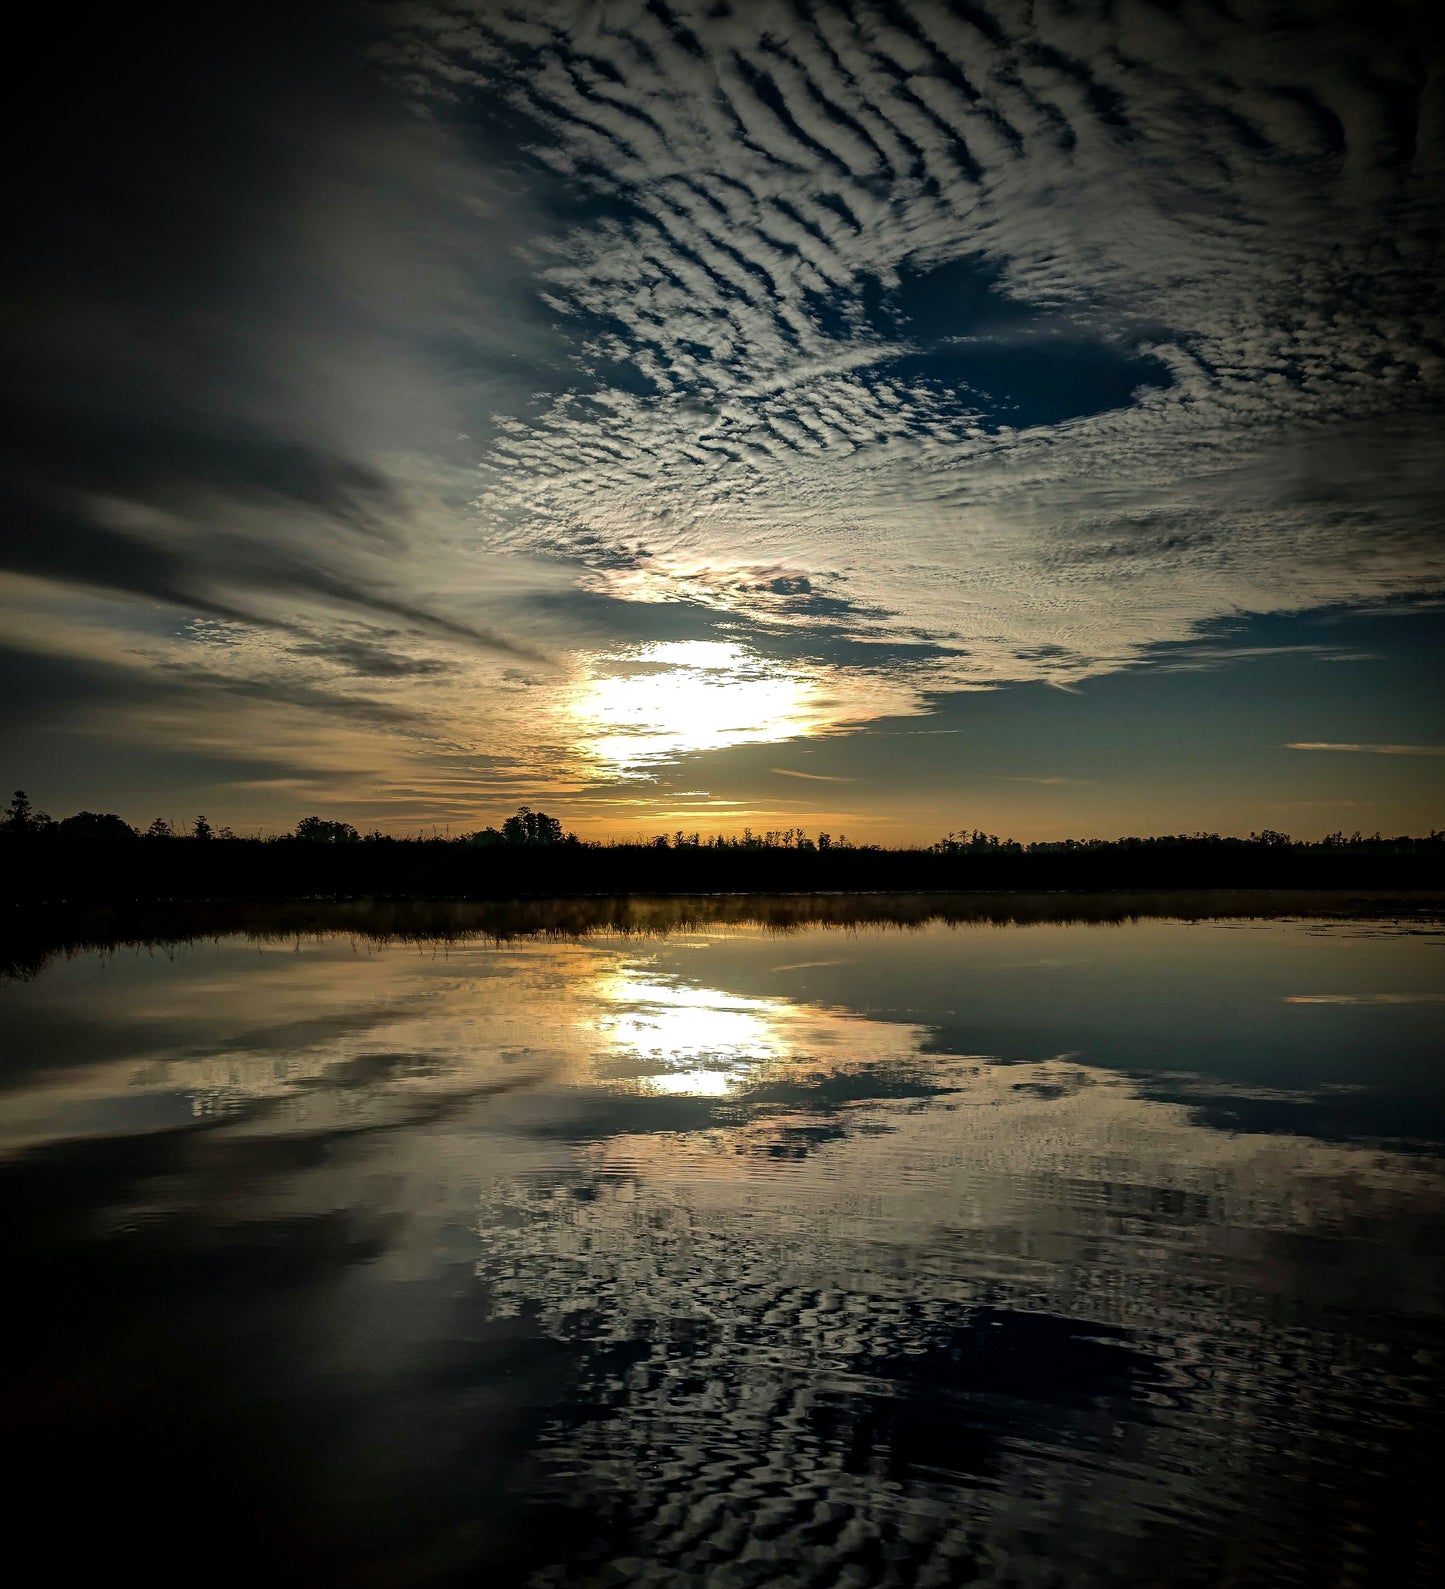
pixel 728 1244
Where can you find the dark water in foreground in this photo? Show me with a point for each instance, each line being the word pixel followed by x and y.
pixel 1045 1254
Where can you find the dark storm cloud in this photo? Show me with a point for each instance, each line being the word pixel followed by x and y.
pixel 42 689
pixel 372 661
pixel 235 246
pixel 50 689
pixel 594 617
pixel 295 692
pixel 219 556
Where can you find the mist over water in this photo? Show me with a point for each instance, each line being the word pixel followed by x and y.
pixel 699 1244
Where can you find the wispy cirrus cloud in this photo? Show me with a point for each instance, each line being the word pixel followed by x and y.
pixel 812 777
pixel 1364 998
pixel 1370 750
pixel 1003 777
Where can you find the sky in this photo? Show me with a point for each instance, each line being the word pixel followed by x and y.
pixel 881 418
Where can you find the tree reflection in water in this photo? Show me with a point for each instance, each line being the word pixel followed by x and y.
pixel 692 1243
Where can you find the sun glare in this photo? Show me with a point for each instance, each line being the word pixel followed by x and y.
pixel 661 1034
pixel 665 701
pixel 688 1040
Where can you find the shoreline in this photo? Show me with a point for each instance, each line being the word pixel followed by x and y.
pixel 34 933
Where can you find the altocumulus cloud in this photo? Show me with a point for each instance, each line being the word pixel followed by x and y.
pixel 361 355
pixel 1000 324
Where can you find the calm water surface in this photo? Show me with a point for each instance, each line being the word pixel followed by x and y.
pixel 1049 1254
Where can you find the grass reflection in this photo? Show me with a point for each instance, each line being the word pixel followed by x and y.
pixel 32 936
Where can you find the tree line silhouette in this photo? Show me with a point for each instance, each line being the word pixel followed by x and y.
pixel 99 856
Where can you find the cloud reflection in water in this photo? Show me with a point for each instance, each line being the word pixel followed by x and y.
pixel 729 1260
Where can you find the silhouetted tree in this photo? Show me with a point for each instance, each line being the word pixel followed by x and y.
pixel 22 819
pixel 530 856
pixel 976 843
pixel 95 825
pixel 317 830
pixel 531 827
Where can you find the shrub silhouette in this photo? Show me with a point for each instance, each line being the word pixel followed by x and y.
pixel 95 825
pixel 317 830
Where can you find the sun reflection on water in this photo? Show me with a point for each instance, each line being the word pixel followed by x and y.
pixel 675 1038
pixel 654 1033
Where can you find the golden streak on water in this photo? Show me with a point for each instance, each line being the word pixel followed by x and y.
pixel 692 1041
pixel 660 1034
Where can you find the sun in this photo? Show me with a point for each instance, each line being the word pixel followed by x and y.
pixel 668 700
